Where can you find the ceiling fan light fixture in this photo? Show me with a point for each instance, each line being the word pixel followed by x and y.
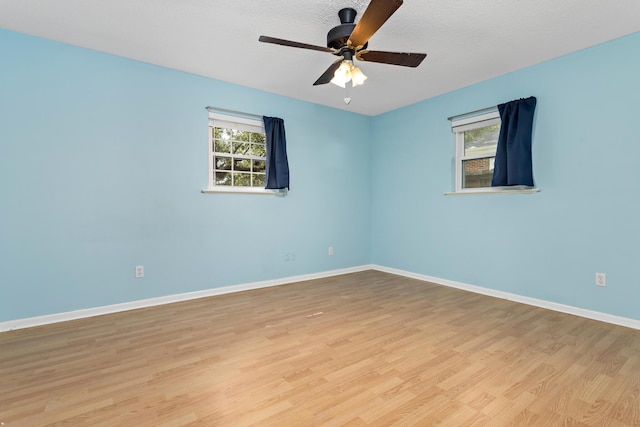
pixel 357 77
pixel 342 74
pixel 347 71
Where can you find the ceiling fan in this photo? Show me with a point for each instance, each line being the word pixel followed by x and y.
pixel 349 40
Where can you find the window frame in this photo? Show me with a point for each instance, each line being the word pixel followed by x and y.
pixel 469 121
pixel 234 122
pixel 459 127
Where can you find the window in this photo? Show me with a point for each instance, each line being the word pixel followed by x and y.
pixel 476 143
pixel 237 154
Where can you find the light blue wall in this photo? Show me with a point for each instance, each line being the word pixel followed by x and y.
pixel 586 219
pixel 102 160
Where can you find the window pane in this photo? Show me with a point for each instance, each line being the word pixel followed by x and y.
pixel 258 180
pixel 221 146
pixel 259 166
pixel 223 133
pixel 240 135
pixel 258 137
pixel 259 150
pixel 222 178
pixel 242 165
pixel 241 148
pixel 242 179
pixel 239 152
pixel 477 173
pixel 222 163
pixel 481 141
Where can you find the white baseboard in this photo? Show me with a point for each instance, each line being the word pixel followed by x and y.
pixel 115 308
pixel 581 312
pixel 133 305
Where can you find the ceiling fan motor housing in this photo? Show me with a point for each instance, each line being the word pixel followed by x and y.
pixel 337 36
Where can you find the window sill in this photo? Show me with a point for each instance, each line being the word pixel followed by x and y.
pixel 519 189
pixel 247 190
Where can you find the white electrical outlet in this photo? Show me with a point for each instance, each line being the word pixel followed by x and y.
pixel 330 250
pixel 139 271
pixel 601 279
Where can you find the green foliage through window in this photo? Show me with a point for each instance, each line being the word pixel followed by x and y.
pixel 239 157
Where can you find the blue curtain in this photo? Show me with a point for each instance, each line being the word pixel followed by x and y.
pixel 513 155
pixel 277 163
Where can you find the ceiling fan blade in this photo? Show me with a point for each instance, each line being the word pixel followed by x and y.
pixel 328 75
pixel 267 39
pixel 394 58
pixel 374 16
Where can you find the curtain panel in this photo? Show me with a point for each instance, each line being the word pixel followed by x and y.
pixel 277 163
pixel 513 164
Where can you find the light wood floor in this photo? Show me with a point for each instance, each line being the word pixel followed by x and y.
pixel 362 349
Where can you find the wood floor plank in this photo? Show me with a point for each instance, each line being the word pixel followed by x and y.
pixel 361 349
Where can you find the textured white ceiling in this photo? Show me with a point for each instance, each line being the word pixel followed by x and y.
pixel 467 41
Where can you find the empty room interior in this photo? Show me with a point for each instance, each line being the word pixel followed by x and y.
pixel 209 216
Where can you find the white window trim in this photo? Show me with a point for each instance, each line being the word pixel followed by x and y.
pixel 252 125
pixel 244 190
pixel 515 189
pixel 465 122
